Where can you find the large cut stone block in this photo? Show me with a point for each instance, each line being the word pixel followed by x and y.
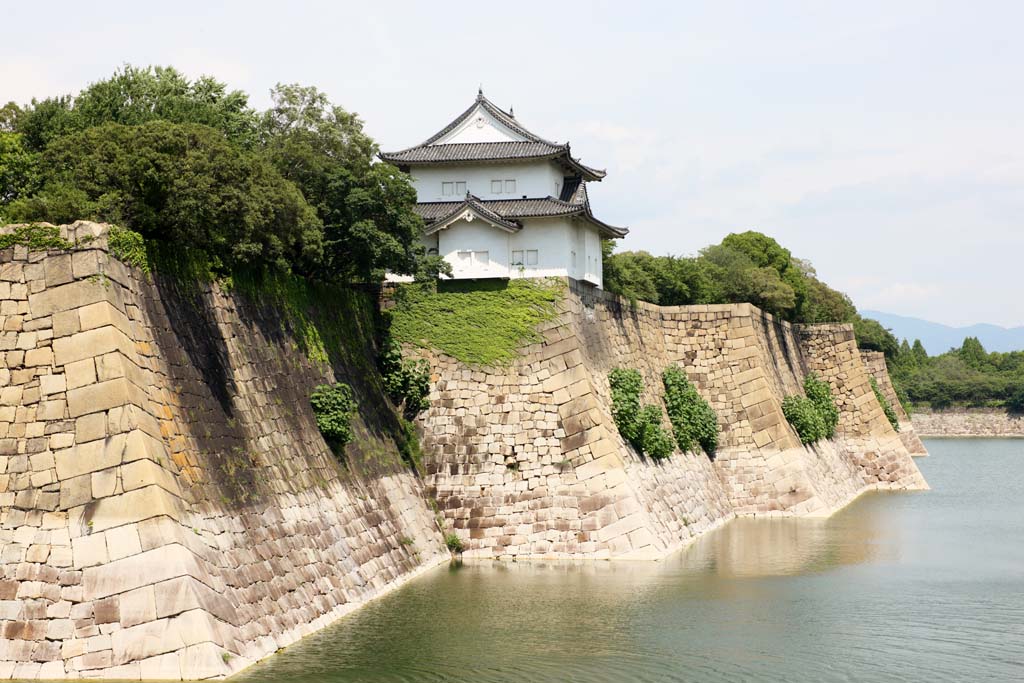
pixel 93 398
pixel 69 296
pixel 90 344
pixel 151 566
pixel 135 506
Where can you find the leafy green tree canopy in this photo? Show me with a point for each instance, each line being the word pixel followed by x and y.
pixel 178 183
pixel 134 96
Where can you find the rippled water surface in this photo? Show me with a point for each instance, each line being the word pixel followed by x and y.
pixel 920 586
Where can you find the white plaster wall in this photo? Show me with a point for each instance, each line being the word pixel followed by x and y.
pixel 480 127
pixel 475 236
pixel 536 179
pixel 593 267
pixel 552 238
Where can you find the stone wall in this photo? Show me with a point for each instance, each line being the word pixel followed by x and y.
pixel 525 461
pixel 168 508
pixel 874 361
pixel 968 422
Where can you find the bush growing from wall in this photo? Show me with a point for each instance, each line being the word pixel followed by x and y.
pixel 887 408
pixel 406 381
pixel 334 405
pixel 626 386
pixel 657 442
pixel 820 393
pixel 639 425
pixel 694 421
pixel 803 415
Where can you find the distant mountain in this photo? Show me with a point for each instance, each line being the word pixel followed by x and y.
pixel 938 338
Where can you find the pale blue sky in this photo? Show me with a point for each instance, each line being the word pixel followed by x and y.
pixel 880 140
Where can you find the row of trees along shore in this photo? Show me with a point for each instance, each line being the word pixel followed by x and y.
pixel 297 189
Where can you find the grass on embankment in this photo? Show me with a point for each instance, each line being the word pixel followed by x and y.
pixel 478 323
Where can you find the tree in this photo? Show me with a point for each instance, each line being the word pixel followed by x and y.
pixel 134 96
pixel 740 279
pixel 10 113
pixel 973 353
pixel 630 274
pixel 179 183
pixel 873 336
pixel 366 207
pixel 17 167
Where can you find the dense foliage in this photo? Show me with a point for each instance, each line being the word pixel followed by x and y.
pixel 746 267
pixel 638 424
pixel 476 323
pixel 334 405
pixel 820 394
pixel 814 416
pixel 190 164
pixel 694 422
pixel 890 412
pixel 805 418
pixel 406 381
pixel 968 376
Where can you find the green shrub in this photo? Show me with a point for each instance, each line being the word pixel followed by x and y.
pixel 887 408
pixel 129 247
pixel 694 421
pixel 406 381
pixel 626 386
pixel 453 542
pixel 820 394
pixel 803 415
pixel 639 425
pixel 657 442
pixel 334 405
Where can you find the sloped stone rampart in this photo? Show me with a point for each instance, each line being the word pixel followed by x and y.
pixel 874 361
pixel 525 461
pixel 168 508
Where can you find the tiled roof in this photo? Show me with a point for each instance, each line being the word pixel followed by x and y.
pixel 442 213
pixel 511 210
pixel 534 147
pixel 474 151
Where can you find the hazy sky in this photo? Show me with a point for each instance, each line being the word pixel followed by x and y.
pixel 880 140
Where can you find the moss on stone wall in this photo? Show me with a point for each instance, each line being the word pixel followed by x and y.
pixel 480 323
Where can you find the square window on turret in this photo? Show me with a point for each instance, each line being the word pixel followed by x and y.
pixel 447 189
pixel 531 257
pixel 510 187
pixel 517 257
pixel 460 189
pixel 495 187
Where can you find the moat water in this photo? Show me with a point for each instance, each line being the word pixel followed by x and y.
pixel 896 587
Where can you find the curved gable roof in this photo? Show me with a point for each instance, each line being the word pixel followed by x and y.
pixel 531 147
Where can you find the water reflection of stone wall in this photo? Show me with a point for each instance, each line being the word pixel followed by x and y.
pixel 168 508
pixel 526 462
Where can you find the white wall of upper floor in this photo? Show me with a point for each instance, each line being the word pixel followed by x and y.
pixel 536 179
pixel 548 247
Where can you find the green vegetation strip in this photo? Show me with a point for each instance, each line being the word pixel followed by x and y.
pixel 887 408
pixel 694 421
pixel 476 323
pixel 815 416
